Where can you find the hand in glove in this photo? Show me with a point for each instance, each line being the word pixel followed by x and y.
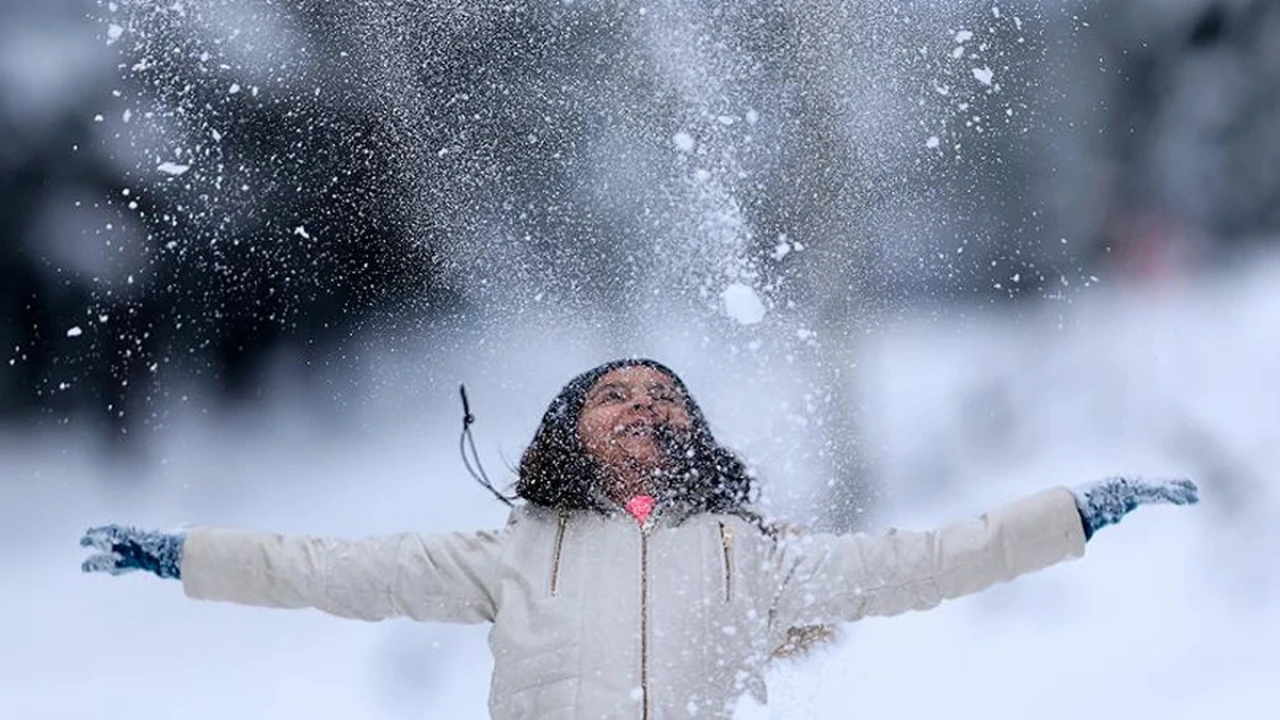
pixel 127 549
pixel 1104 502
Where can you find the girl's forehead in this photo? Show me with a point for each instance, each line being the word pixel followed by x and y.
pixel 634 375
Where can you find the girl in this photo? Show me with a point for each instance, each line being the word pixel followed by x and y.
pixel 634 580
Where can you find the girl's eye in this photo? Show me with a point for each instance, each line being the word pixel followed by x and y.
pixel 666 396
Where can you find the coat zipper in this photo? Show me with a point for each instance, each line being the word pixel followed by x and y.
pixel 726 542
pixel 644 622
pixel 555 556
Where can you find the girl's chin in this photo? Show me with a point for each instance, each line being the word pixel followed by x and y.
pixel 638 447
pixel 645 460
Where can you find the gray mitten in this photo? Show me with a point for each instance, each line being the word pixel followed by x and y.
pixel 1104 502
pixel 127 549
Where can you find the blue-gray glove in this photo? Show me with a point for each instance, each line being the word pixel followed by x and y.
pixel 1104 502
pixel 127 549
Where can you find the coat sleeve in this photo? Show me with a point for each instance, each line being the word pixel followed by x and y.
pixel 826 578
pixel 449 577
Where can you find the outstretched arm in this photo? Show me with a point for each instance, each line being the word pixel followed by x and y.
pixel 445 577
pixel 831 578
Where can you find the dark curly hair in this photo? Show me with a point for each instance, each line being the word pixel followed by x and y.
pixel 555 472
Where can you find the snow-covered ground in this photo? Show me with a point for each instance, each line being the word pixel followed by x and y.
pixel 1173 614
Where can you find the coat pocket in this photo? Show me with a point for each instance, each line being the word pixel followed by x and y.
pixel 726 547
pixel 557 553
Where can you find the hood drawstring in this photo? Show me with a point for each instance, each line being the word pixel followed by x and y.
pixel 468 442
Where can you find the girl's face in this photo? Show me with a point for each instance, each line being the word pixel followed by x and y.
pixel 623 412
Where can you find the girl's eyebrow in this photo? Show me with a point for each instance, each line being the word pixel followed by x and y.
pixel 606 386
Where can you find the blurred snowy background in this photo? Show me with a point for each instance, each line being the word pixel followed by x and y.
pixel 913 260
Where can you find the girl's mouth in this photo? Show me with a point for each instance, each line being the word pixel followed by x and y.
pixel 636 428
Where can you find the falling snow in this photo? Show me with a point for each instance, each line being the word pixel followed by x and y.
pixel 743 304
pixel 352 181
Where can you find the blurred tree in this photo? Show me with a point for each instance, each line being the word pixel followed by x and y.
pixel 1180 127
pixel 254 222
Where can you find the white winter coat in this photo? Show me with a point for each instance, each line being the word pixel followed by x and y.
pixel 594 616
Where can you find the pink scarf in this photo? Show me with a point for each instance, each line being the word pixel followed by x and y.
pixel 641 507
